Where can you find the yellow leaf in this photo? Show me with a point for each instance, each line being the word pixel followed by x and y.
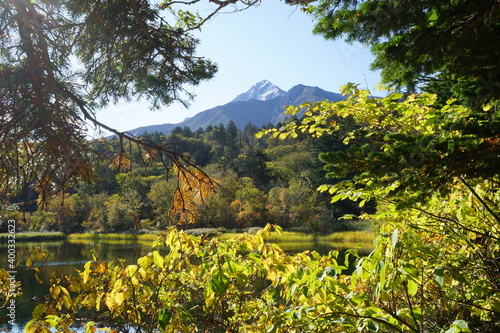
pixel 41 256
pixel 28 328
pixel 110 302
pixel 64 291
pixel 86 272
pixel 158 259
pixel 210 300
pixel 55 290
pixel 131 270
pixel 89 327
pixel 102 267
pixel 119 298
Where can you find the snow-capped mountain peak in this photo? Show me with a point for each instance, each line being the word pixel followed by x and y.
pixel 261 91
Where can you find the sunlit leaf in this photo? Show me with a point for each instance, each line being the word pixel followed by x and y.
pixel 412 287
pixel 219 283
pixel 394 238
pixel 158 259
pixel 439 276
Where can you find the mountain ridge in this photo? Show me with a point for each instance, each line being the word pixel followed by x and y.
pixel 262 104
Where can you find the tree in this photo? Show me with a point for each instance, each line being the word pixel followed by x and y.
pixel 215 210
pixel 249 202
pixel 287 162
pixel 70 211
pixel 436 189
pixel 194 148
pixel 161 195
pixel 134 189
pixel 122 49
pixel 295 205
pixel 410 148
pixel 248 135
pixel 448 43
pixel 96 219
pixel 252 163
pixel 120 217
pixel 233 141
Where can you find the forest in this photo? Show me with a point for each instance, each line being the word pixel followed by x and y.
pixel 420 166
pixel 256 182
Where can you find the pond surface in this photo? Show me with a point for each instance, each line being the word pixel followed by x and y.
pixel 69 255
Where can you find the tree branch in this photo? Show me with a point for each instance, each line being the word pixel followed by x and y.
pixel 478 197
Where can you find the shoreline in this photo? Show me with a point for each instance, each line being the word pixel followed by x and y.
pixel 286 236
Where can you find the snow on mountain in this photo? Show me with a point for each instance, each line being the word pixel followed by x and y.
pixel 261 91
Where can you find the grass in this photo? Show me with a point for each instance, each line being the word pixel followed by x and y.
pixel 298 241
pixel 30 236
pixel 351 236
pixel 345 237
pixel 291 236
pixel 114 236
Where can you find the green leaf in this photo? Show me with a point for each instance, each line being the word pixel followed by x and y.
pixel 373 326
pixel 232 266
pixel 410 270
pixel 255 257
pixel 298 314
pixel 219 283
pixel 439 276
pixel 164 318
pixel 432 15
pixel 337 198
pixel 53 321
pixel 462 325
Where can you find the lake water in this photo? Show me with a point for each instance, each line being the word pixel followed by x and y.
pixel 69 255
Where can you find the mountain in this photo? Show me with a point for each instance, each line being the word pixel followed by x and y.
pixel 263 104
pixel 262 91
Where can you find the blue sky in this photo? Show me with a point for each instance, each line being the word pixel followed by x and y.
pixel 272 41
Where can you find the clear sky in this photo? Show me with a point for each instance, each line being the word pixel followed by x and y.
pixel 273 41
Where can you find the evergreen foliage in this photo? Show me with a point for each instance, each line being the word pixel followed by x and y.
pixel 60 61
pixel 445 46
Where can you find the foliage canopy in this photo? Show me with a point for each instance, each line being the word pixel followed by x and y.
pixel 435 43
pixel 62 60
pixel 436 187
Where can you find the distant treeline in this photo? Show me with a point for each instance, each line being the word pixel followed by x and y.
pixel 266 180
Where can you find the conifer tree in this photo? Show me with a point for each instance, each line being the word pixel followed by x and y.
pixel 60 61
pixel 446 46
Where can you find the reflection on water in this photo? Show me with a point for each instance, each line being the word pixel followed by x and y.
pixel 64 256
pixel 70 255
pixel 325 247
